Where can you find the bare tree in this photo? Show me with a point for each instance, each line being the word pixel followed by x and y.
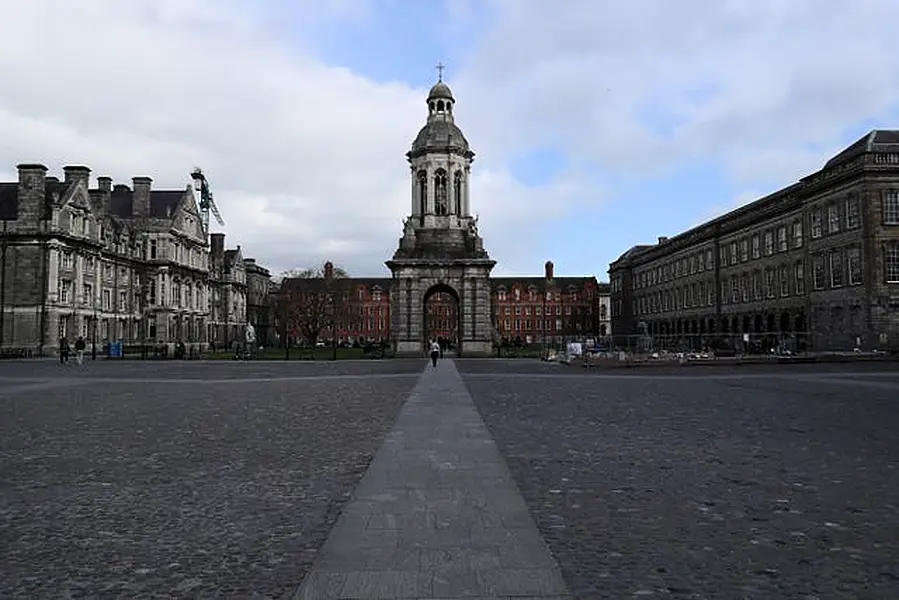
pixel 311 301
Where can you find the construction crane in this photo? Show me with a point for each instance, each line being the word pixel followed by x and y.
pixel 207 204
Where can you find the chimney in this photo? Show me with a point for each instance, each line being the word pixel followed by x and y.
pixel 32 193
pixel 77 173
pixel 105 184
pixel 140 200
pixel 662 239
pixel 548 268
pixel 217 245
pixel 329 270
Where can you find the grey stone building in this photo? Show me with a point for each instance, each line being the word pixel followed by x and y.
pixel 111 263
pixel 228 294
pixel 258 301
pixel 814 265
pixel 440 250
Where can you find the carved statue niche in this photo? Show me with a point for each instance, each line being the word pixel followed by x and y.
pixel 440 193
pixel 457 192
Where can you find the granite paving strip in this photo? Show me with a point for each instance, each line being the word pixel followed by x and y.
pixel 437 514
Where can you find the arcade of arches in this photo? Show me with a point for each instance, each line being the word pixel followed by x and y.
pixel 770 327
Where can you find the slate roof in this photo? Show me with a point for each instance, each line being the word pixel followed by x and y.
pixel 163 203
pixel 9 201
pixel 877 141
pixel 542 283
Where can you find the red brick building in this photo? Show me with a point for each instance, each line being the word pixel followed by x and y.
pixel 526 309
pixel 549 309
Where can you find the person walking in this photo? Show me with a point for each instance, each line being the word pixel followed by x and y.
pixel 435 352
pixel 64 351
pixel 80 345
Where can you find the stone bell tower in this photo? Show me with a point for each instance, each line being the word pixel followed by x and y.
pixel 441 250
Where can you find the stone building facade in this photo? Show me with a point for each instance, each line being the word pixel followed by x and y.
pixel 259 308
pixel 441 285
pixel 812 266
pixel 111 263
pixel 440 250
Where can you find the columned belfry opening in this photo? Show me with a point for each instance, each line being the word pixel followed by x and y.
pixel 441 254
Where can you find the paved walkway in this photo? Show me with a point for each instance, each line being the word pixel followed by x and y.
pixel 437 514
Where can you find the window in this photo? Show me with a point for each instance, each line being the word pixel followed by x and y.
pixel 854 262
pixel 818 272
pixel 769 243
pixel 65 290
pixel 891 207
pixel 501 295
pixel 538 310
pixel 724 290
pixel 833 218
pixel 722 256
pixel 67 260
pixel 756 246
pixel 733 253
pixel 853 218
pixel 744 287
pixel 123 301
pixel 782 239
pixel 800 278
pixel 107 299
pixel 816 224
pixel 770 290
pixel 517 295
pixel 797 234
pixel 151 326
pixel 153 249
pixel 891 262
pixel 376 295
pixel 153 292
pixel 784 277
pixel 517 310
pixel 708 259
pixel 744 250
pixel 88 291
pixel 836 268
pixel 757 285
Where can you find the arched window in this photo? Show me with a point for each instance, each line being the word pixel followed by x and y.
pixel 457 192
pixel 440 192
pixel 423 191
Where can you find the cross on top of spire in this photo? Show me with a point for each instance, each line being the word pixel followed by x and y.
pixel 440 67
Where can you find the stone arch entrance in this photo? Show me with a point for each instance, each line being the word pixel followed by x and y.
pixel 442 311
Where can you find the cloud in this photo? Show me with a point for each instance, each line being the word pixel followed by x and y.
pixel 307 160
pixel 735 79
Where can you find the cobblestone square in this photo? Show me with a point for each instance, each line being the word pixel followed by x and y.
pixel 225 479
pixel 146 479
pixel 705 483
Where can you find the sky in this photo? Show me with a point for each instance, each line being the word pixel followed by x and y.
pixel 597 125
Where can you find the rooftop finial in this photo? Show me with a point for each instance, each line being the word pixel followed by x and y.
pixel 440 67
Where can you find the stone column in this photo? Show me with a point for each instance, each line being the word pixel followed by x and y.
pixel 430 179
pixel 416 208
pixel 466 211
